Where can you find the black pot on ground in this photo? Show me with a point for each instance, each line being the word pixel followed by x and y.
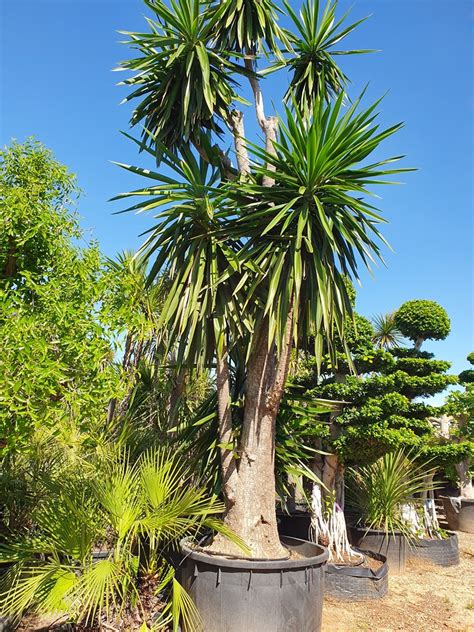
pixel 440 552
pixel 244 595
pixel 393 546
pixel 357 583
pixel 294 525
pixel 459 513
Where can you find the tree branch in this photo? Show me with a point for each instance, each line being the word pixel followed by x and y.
pixel 236 123
pixel 269 125
pixel 224 163
pixel 257 93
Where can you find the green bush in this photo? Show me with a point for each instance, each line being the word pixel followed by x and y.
pixel 96 554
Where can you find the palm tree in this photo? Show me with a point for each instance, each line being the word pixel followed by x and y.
pixel 386 333
pixel 98 551
pixel 257 254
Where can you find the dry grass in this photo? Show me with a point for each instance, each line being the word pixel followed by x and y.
pixel 424 599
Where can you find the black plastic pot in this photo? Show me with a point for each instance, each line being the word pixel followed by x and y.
pixel 440 552
pixel 459 513
pixel 392 546
pixel 294 525
pixel 244 595
pixel 357 583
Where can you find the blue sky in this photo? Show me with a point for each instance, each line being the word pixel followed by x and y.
pixel 56 83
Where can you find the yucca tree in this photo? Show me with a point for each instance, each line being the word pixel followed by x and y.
pixel 257 254
pixel 382 491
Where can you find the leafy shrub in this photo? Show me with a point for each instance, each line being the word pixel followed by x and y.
pixel 98 550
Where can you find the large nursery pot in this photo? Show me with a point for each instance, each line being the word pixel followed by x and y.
pixel 393 546
pixel 443 552
pixel 294 525
pixel 357 583
pixel 459 513
pixel 245 595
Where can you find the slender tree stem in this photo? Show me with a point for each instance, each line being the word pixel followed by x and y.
pixel 10 264
pixel 236 123
pixel 269 125
pixel 257 93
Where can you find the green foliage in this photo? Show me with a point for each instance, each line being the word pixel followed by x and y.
pixel 314 70
pixel 386 333
pixel 56 358
pixel 446 453
pixel 97 550
pixel 380 491
pixel 421 319
pixel 382 410
pixel 183 81
pixel 466 376
pixel 460 404
pixel 36 195
pixel 293 226
pixel 245 25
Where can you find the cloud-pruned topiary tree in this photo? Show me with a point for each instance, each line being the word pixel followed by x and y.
pixel 421 320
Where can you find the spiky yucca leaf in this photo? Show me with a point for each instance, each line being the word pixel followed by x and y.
pixel 386 333
pixel 379 491
pixel 313 228
pixel 182 80
pixel 315 72
pixel 190 246
pixel 246 25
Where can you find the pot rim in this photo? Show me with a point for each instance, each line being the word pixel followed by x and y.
pixel 368 531
pixel 259 565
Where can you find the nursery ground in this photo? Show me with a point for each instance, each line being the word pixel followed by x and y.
pixel 425 598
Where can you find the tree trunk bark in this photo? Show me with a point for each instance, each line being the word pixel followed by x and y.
pixel 252 514
pixel 251 493
pixel 465 480
pixel 237 125
pixel 418 342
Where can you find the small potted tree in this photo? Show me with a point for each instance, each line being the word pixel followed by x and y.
pixel 257 246
pixel 386 495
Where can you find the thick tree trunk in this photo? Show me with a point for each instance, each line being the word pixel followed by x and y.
pixel 251 514
pixel 465 480
pixel 249 482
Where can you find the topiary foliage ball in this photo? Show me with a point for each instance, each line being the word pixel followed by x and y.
pixel 423 320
